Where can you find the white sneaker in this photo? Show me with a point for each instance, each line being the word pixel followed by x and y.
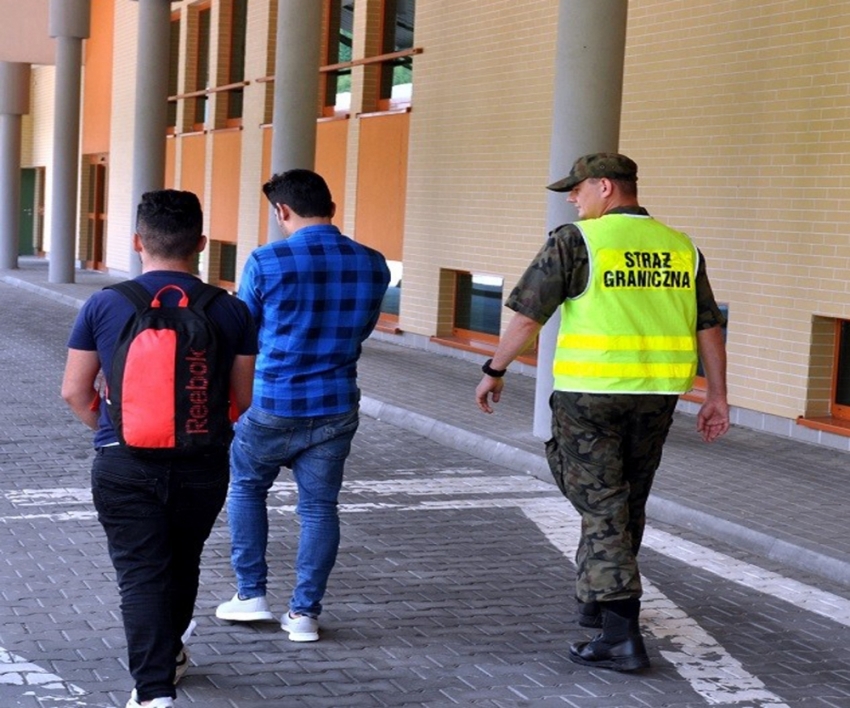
pixel 254 610
pixel 301 628
pixel 188 633
pixel 164 702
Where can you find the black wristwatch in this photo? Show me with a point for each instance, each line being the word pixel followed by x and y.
pixel 495 373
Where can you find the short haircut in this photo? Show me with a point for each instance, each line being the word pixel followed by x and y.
pixel 303 191
pixel 627 186
pixel 170 223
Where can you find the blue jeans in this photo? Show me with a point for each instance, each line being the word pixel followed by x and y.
pixel 315 449
pixel 157 515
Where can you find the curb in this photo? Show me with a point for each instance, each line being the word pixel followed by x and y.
pixel 477 445
pixel 41 290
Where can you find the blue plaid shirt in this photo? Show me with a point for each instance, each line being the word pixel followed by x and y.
pixel 315 297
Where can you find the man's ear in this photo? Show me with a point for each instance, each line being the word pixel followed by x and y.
pixel 202 244
pixel 137 243
pixel 333 209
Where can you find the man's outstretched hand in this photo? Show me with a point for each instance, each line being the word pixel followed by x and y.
pixel 488 387
pixel 713 419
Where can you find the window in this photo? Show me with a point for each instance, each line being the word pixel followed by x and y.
pixel 397 74
pixel 94 240
pixel 222 262
pixel 478 305
pixel 470 314
pixel 828 399
pixel 227 268
pixel 392 300
pixel 841 386
pixel 389 69
pixel 236 70
pixel 173 71
pixel 202 68
pixel 340 37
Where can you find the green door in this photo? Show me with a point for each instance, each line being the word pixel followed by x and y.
pixel 26 241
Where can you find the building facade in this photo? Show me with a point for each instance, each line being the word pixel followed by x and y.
pixel 433 129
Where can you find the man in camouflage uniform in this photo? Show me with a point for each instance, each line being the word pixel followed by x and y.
pixel 617 379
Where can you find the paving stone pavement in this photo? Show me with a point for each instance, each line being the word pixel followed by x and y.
pixel 454 584
pixel 781 498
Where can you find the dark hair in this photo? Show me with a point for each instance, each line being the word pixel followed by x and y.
pixel 628 187
pixel 170 223
pixel 303 191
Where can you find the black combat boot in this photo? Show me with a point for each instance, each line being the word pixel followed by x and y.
pixel 620 646
pixel 589 614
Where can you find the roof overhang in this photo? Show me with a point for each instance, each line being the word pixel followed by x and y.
pixel 24 34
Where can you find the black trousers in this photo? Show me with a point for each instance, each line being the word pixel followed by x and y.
pixel 157 515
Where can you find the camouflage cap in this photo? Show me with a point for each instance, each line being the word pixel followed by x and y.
pixel 599 164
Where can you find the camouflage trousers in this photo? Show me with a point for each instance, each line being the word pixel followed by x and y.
pixel 604 452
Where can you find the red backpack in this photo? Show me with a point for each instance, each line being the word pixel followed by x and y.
pixel 168 389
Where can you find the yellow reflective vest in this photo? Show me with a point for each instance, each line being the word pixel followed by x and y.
pixel 633 329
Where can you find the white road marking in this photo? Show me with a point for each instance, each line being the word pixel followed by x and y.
pixel 64 516
pixel 58 496
pixel 17 671
pixel 811 599
pixel 709 669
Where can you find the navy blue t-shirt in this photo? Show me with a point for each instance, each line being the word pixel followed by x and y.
pixel 105 313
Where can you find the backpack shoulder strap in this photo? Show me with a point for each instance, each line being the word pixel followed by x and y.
pixel 135 293
pixel 202 294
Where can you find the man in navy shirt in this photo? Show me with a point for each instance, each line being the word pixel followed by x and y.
pixel 157 512
pixel 315 297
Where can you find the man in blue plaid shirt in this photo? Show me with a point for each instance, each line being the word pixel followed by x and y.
pixel 315 296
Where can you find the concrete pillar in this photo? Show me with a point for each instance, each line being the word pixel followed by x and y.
pixel 588 99
pixel 151 116
pixel 69 22
pixel 296 89
pixel 14 102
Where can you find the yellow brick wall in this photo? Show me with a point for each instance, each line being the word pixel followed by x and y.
pixel 739 117
pixel 120 211
pixel 37 145
pixel 27 136
pixel 479 145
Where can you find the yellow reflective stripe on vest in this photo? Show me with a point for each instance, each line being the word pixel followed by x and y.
pixel 620 370
pixel 625 343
